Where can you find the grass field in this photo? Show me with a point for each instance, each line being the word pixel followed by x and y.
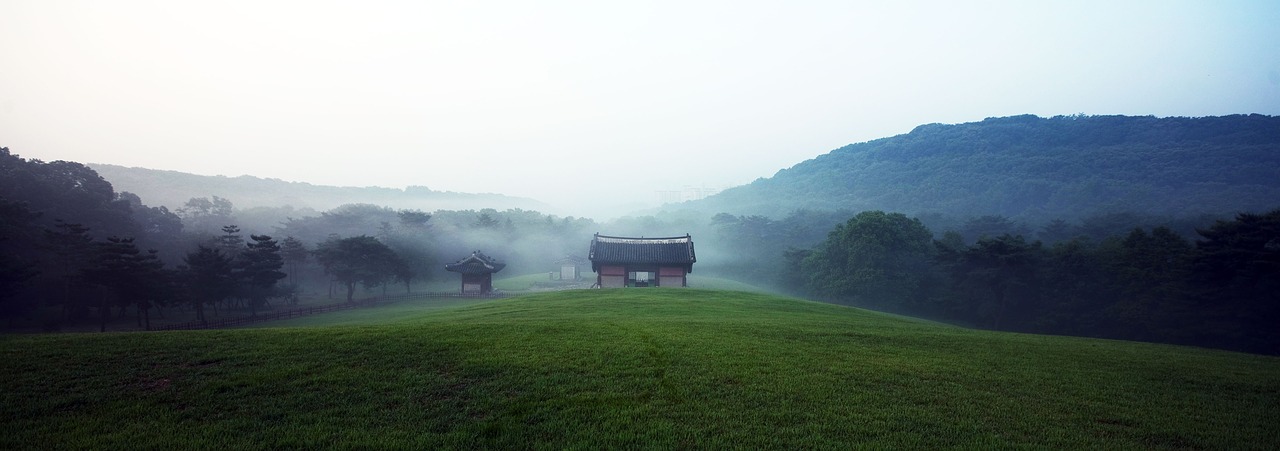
pixel 661 368
pixel 524 282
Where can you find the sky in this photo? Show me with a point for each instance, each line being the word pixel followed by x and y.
pixel 582 104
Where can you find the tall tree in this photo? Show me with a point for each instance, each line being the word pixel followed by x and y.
pixel 485 221
pixel 1238 269
pixel 414 219
pixel 207 277
pixel 295 254
pixel 999 276
pixel 360 259
pixel 131 277
pixel 876 259
pixel 73 255
pixel 158 227
pixel 1150 271
pixel 230 241
pixel 259 270
pixel 202 215
pixel 18 232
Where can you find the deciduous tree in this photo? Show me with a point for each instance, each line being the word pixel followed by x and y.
pixel 876 259
pixel 360 259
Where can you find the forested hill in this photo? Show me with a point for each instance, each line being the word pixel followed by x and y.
pixel 172 189
pixel 1035 168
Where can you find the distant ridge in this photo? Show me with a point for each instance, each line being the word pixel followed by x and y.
pixel 1035 168
pixel 172 189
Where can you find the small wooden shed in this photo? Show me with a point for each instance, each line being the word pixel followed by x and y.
pixel 477 272
pixel 642 262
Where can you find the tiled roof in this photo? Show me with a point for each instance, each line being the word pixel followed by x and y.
pixel 571 260
pixel 613 249
pixel 477 263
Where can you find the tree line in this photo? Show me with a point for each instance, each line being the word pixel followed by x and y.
pixel 72 250
pixel 1220 290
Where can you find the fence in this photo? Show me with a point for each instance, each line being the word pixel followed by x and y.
pixel 294 313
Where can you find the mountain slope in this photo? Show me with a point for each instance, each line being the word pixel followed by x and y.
pixel 1036 168
pixel 172 189
pixel 659 368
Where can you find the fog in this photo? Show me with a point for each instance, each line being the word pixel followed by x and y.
pixel 589 107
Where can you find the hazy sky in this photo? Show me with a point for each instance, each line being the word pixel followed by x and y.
pixel 592 101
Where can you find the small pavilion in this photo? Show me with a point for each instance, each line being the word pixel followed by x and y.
pixel 642 262
pixel 570 267
pixel 477 272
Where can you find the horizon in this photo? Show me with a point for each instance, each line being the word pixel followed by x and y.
pixel 601 213
pixel 579 106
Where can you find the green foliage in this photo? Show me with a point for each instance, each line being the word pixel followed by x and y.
pixel 1151 286
pixel 133 277
pixel 294 253
pixel 761 249
pixel 1237 265
pixel 208 277
pixel 258 269
pixel 360 259
pixel 203 215
pixel 997 281
pixel 1036 169
pixel 873 257
pixel 64 190
pixel 1150 272
pixel 18 233
pixel 614 369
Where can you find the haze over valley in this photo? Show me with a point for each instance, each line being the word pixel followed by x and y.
pixel 568 225
pixel 586 107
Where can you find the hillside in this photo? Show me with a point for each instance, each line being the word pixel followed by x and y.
pixel 172 189
pixel 657 368
pixel 1033 168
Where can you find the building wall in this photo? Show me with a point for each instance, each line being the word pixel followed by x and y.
pixel 477 283
pixel 568 272
pixel 615 276
pixel 612 277
pixel 672 277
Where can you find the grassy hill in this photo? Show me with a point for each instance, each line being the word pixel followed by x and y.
pixel 628 368
pixel 525 282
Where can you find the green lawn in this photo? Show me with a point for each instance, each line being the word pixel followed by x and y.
pixel 664 368
pixel 525 282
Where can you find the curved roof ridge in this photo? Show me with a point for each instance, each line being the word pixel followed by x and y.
pixel 642 240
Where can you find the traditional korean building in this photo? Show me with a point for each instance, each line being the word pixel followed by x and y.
pixel 642 262
pixel 570 267
pixel 477 272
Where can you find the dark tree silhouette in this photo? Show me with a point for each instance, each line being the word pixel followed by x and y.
pixel 360 259
pixel 203 215
pixel 295 253
pixel 207 278
pixel 17 256
pixel 73 254
pixel 230 241
pixel 129 275
pixel 1238 270
pixel 258 269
